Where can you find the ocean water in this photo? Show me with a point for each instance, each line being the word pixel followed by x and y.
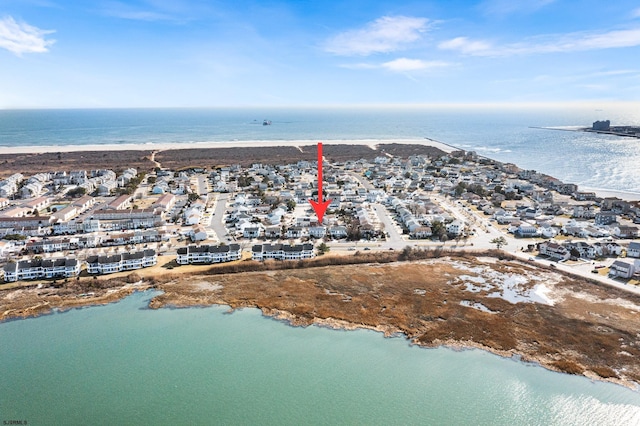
pixel 124 364
pixel 590 160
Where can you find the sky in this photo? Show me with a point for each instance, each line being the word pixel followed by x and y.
pixel 197 53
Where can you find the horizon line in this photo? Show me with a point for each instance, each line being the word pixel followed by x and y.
pixel 537 104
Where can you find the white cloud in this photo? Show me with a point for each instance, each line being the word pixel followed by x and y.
pixel 464 45
pixel 635 13
pixel 20 37
pixel 400 65
pixel 386 34
pixel 572 42
pixel 406 64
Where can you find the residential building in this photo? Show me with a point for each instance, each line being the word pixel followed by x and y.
pixel 605 218
pixel 620 269
pixel 41 268
pixel 634 249
pixel 554 250
pixel 121 262
pixel 208 254
pixel 282 252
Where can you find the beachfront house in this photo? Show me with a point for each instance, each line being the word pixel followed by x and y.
pixel 634 249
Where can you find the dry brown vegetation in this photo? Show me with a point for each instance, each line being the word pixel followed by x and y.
pixel 589 330
pixel 178 159
pixel 65 161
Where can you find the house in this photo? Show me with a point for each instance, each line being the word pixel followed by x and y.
pixel 39 268
pixel 165 202
pixel 421 232
pixel 282 252
pixel 208 254
pixel 198 233
pixel 455 228
pixel 620 269
pixel 317 231
pixel 584 249
pixel 554 250
pixel 120 203
pixel 65 214
pixel 338 232
pixel 272 231
pixel 607 249
pixel 634 249
pixel 39 203
pixel 297 232
pixel 605 218
pixel 625 231
pixel 526 230
pixel 121 262
pixel 252 232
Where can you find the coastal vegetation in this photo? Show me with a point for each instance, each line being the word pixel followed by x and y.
pixel 424 294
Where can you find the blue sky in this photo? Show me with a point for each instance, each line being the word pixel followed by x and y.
pixel 196 53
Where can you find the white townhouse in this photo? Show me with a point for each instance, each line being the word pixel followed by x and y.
pixel 317 231
pixel 41 268
pixel 282 252
pixel 121 262
pixel 634 249
pixel 297 232
pixel 208 254
pixel 338 231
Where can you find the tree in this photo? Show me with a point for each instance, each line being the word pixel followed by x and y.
pixel 291 205
pixel 499 242
pixel 438 229
pixel 76 192
pixel 575 253
pixel 322 248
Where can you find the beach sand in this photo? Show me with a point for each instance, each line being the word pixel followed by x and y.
pixel 206 145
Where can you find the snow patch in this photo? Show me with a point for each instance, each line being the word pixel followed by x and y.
pixel 476 305
pixel 514 288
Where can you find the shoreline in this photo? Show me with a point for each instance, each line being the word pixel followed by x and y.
pixel 372 143
pixel 168 146
pixel 336 297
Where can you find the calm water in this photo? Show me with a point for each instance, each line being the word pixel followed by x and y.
pixel 123 364
pixel 593 161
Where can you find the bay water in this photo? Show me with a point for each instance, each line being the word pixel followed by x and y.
pixel 125 364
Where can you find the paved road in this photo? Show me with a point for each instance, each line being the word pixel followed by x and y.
pixel 217 219
pixel 394 240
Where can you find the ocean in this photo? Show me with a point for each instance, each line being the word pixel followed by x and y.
pixel 590 160
pixel 125 364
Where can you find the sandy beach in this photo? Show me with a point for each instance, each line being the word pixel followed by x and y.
pixel 207 145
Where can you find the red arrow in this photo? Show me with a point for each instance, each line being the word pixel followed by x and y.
pixel 320 206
